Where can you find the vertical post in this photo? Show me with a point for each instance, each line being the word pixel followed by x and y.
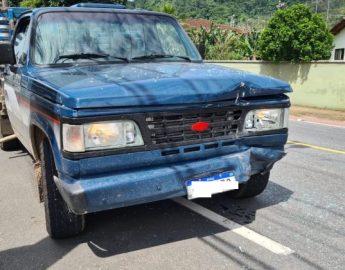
pixel 316 5
pixel 328 10
pixel 4 3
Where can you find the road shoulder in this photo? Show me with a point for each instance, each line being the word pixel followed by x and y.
pixel 317 116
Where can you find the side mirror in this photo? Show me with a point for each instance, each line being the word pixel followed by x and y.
pixel 202 49
pixel 6 54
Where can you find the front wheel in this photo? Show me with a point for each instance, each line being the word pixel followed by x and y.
pixel 60 221
pixel 253 187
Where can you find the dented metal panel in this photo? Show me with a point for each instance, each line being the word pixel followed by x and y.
pixel 148 84
pixel 125 188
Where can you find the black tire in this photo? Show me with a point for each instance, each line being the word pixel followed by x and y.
pixel 253 187
pixel 6 130
pixel 60 221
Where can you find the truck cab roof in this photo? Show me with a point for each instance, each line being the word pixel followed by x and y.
pixel 12 14
pixel 93 7
pixel 17 12
pixel 99 5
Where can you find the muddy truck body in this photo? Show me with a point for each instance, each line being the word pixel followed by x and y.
pixel 117 108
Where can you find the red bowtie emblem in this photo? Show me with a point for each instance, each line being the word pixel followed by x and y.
pixel 200 126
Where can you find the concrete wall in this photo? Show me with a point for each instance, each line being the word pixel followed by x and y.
pixel 339 42
pixel 318 84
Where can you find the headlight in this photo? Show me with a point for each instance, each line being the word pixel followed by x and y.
pixel 266 119
pixel 101 135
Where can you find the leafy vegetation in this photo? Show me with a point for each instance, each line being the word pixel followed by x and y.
pixel 249 12
pixel 168 8
pixel 254 13
pixel 304 37
pixel 296 34
pixel 219 44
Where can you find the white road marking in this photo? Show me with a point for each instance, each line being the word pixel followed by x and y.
pixel 259 239
pixel 317 123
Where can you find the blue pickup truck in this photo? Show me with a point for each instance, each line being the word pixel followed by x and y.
pixel 117 108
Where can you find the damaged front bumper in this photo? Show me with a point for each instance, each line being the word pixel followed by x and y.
pixel 147 184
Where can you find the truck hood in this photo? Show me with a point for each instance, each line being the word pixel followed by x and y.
pixel 144 84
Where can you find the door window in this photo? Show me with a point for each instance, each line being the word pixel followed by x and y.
pixel 21 42
pixel 339 54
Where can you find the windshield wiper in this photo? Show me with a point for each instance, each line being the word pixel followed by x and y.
pixel 77 56
pixel 157 56
pixel 118 57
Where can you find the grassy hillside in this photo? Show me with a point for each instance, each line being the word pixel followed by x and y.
pixel 254 12
pixel 250 13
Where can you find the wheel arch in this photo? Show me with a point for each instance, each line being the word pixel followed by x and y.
pixel 39 130
pixel 36 135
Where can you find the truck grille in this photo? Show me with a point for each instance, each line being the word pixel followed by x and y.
pixel 176 127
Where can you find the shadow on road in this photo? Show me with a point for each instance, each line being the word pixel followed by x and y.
pixel 140 227
pixel 17 150
pixel 243 211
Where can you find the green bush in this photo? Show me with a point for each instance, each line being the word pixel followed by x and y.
pixel 168 8
pixel 296 34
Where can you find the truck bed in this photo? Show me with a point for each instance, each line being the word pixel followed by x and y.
pixel 8 19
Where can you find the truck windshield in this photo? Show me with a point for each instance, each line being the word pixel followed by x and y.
pixel 72 37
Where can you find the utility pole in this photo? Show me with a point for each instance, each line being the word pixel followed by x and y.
pixel 132 2
pixel 316 5
pixel 280 5
pixel 327 10
pixel 232 20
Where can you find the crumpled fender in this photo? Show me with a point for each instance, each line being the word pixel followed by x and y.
pixel 263 159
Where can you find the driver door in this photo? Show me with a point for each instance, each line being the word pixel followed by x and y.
pixel 18 106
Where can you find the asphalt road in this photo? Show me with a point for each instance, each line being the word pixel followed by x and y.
pixel 302 211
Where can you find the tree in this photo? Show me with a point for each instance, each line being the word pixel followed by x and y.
pixel 168 8
pixel 296 34
pixel 250 41
pixel 31 3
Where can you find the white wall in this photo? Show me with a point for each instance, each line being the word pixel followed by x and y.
pixel 317 84
pixel 339 42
